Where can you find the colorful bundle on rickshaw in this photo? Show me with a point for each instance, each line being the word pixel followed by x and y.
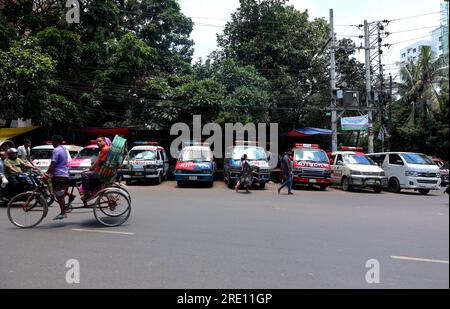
pixel 113 160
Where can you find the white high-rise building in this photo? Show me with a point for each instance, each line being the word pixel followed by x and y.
pixel 412 52
pixel 437 39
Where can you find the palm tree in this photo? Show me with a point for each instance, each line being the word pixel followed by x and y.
pixel 421 83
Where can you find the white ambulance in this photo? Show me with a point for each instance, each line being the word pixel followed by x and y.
pixel 147 160
pixel 41 155
pixel 351 168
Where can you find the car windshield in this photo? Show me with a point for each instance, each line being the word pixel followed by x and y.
pixel 196 155
pixel 317 156
pixel 143 154
pixel 41 154
pixel 415 158
pixel 73 154
pixel 358 159
pixel 253 153
pixel 88 153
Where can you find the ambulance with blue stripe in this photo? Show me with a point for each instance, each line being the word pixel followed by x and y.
pixel 196 164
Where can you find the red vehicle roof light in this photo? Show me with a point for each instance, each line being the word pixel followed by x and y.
pixel 346 148
pixel 311 146
pixel 146 143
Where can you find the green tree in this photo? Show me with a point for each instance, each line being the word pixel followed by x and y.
pixel 27 83
pixel 420 115
pixel 247 97
pixel 162 25
pixel 419 81
pixel 283 46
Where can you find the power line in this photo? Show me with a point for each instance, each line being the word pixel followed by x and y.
pixel 413 39
pixel 415 16
pixel 410 30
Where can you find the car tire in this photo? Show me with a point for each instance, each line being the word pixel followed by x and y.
pixel 262 185
pixel 180 184
pixel 323 188
pixel 346 186
pixel 377 189
pixel 231 183
pixel 424 191
pixel 159 179
pixel 128 182
pixel 394 185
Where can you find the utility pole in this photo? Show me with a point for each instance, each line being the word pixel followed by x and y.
pixel 334 117
pixel 389 111
pixel 369 103
pixel 381 77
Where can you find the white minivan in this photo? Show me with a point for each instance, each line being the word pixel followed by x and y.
pixel 411 171
pixel 351 169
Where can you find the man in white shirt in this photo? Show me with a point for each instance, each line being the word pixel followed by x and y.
pixel 24 151
pixel 3 180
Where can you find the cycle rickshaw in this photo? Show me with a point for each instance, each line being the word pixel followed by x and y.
pixel 111 204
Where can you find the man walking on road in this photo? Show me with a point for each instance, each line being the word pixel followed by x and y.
pixel 286 172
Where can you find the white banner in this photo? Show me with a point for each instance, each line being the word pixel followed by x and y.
pixel 360 123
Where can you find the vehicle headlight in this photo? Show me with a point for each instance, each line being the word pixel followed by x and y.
pixel 298 169
pixel 353 172
pixel 206 171
pixel 411 174
pixel 382 174
pixel 438 175
pixel 327 172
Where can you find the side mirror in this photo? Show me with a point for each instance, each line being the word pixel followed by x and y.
pixel 331 161
pixel 340 162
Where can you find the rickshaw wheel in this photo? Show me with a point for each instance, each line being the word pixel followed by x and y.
pixel 112 207
pixel 27 209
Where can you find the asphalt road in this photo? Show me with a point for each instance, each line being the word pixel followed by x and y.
pixel 216 238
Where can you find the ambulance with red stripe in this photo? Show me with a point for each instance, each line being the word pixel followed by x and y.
pixel 311 166
pixel 196 164
pixel 351 168
pixel 41 155
pixel 146 161
pixel 83 160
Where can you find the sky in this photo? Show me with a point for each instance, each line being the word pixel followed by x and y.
pixel 210 16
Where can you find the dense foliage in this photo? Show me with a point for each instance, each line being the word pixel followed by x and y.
pixel 129 63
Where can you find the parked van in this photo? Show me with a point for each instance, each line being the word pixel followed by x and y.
pixel 410 171
pixel 351 168
pixel 41 155
pixel 146 160
pixel 311 166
